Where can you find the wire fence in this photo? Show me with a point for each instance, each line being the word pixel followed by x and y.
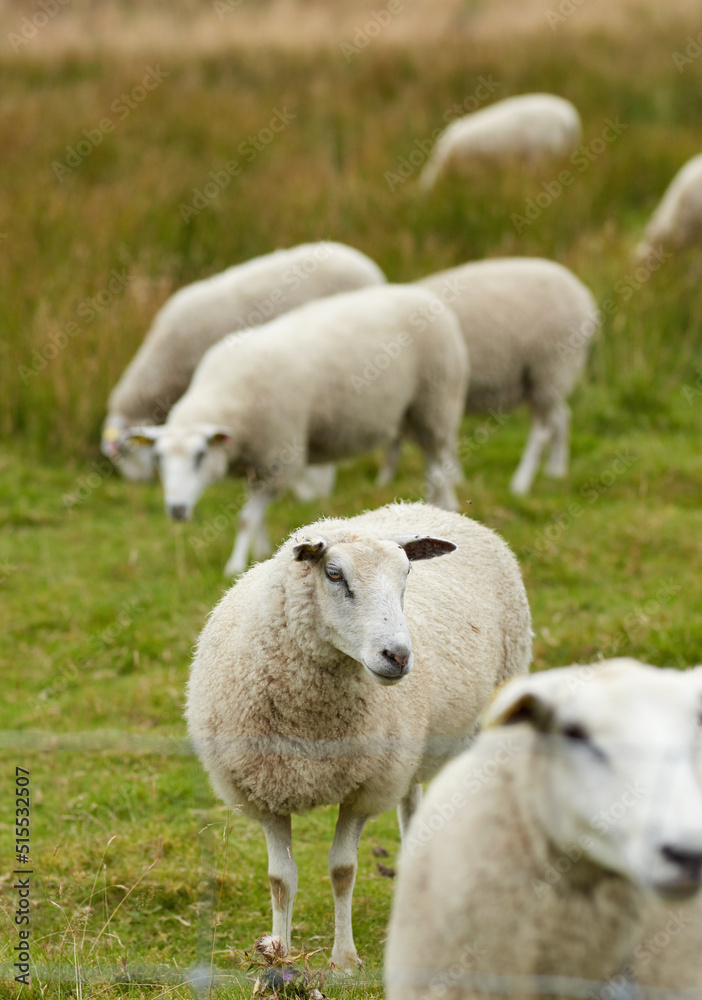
pixel 204 975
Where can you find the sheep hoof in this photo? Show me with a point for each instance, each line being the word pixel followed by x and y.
pixel 346 964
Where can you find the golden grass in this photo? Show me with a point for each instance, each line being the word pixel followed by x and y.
pixel 210 27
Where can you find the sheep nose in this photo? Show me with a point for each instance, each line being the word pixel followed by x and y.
pixel 178 511
pixel 689 861
pixel 398 656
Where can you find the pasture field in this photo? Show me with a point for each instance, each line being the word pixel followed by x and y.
pixel 139 875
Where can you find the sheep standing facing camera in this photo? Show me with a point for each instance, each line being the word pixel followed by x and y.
pixel 328 676
pixel 193 319
pixel 527 129
pixel 527 324
pixel 537 861
pixel 677 222
pixel 331 380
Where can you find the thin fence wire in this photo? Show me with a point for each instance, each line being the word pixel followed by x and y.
pixel 204 976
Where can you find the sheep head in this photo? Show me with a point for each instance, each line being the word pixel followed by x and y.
pixel 188 460
pixel 617 768
pixel 359 589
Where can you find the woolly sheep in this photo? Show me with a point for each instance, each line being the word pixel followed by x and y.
pixel 198 315
pixel 677 222
pixel 527 323
pixel 290 704
pixel 536 860
pixel 331 380
pixel 529 128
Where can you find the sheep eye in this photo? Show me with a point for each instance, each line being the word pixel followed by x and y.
pixel 334 574
pixel 576 732
pixel 197 460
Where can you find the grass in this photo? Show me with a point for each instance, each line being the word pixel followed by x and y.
pixel 135 861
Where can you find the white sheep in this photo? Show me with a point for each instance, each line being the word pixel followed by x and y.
pixel 197 316
pixel 526 129
pixel 290 704
pixel 331 380
pixel 677 222
pixel 527 323
pixel 536 859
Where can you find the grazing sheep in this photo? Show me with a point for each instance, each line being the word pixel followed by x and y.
pixel 289 700
pixel 677 222
pixel 331 380
pixel 537 858
pixel 527 129
pixel 527 323
pixel 200 314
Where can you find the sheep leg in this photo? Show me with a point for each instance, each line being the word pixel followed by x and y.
pixel 342 872
pixel 442 473
pixel 251 530
pixel 539 436
pixel 315 482
pixel 557 462
pixel 407 808
pixel 282 874
pixel 388 470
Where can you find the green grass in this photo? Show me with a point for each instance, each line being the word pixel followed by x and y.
pixel 103 597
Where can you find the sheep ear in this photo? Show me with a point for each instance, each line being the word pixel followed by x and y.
pixel 514 702
pixel 423 546
pixel 309 550
pixel 141 437
pixel 218 435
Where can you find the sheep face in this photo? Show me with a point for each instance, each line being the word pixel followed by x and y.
pixel 359 590
pixel 134 461
pixel 617 770
pixel 188 460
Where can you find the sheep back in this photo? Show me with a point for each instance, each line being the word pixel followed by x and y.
pixel 527 324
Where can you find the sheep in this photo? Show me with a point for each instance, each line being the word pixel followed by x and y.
pixel 291 702
pixel 527 323
pixel 198 315
pixel 331 380
pixel 538 857
pixel 529 128
pixel 677 222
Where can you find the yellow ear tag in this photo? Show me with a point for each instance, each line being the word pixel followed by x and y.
pixel 111 434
